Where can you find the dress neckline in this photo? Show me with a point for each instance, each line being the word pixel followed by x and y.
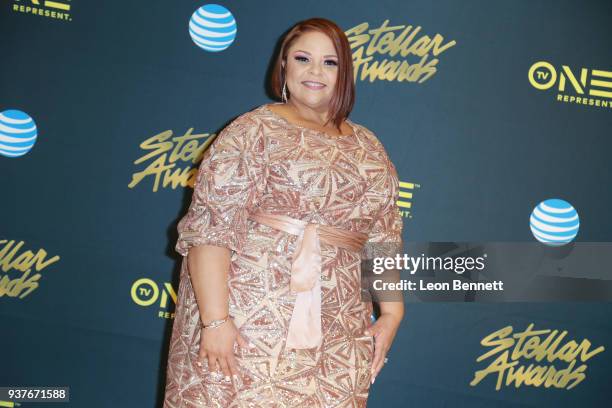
pixel 286 121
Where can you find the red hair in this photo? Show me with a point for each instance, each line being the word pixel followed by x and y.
pixel 343 99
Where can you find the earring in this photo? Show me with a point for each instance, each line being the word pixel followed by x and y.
pixel 284 96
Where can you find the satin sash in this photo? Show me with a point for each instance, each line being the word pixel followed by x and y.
pixel 305 326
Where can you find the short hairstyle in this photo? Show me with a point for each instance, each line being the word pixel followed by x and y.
pixel 343 98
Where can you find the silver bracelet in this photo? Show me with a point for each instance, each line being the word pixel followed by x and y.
pixel 215 323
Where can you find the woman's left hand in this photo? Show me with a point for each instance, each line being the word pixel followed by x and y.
pixel 383 330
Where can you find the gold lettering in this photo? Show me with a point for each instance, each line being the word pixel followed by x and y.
pixel 529 345
pixel 165 152
pixel 24 284
pixel 384 41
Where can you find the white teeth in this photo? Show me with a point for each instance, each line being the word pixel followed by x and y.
pixel 313 83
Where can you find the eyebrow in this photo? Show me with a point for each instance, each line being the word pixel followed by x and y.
pixel 325 56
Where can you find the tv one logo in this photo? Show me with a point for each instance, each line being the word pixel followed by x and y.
pixel 57 10
pixel 146 292
pixel 543 76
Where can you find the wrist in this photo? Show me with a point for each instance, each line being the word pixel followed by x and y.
pixel 210 324
pixel 397 317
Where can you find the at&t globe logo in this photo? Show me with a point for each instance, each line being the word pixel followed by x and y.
pixel 17 133
pixel 554 222
pixel 212 27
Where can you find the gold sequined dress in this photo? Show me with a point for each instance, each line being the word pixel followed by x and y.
pixel 261 160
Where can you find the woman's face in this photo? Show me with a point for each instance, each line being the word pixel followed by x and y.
pixel 312 58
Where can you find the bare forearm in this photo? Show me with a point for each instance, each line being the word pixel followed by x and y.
pixel 209 267
pixel 394 308
pixel 394 299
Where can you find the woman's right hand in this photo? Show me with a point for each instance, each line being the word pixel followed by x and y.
pixel 217 345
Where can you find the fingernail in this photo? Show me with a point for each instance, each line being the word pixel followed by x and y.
pixel 367 332
pixel 227 378
pixel 373 378
pixel 251 345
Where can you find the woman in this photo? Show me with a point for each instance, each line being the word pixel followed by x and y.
pixel 287 197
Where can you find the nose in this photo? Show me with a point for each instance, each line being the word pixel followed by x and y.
pixel 315 69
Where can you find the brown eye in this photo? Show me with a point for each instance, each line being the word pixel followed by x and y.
pixel 334 63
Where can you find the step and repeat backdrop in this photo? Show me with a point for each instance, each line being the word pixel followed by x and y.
pixel 497 116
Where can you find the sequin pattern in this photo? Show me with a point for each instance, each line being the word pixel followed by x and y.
pixel 262 160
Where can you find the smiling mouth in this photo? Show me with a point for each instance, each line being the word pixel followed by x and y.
pixel 313 85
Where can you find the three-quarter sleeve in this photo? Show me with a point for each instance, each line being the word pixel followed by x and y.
pixel 384 241
pixel 385 236
pixel 230 180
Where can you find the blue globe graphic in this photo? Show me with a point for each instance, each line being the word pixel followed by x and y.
pixel 212 27
pixel 17 133
pixel 554 222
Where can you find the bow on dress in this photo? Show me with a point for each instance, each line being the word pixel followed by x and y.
pixel 305 325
